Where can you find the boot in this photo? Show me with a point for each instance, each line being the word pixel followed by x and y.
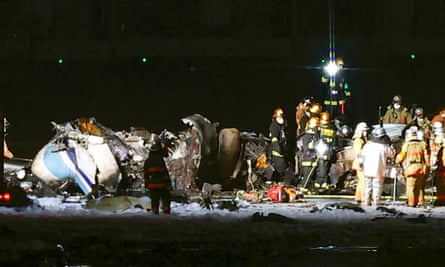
pixel 166 209
pixel 155 211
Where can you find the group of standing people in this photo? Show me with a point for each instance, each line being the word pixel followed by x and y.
pixel 420 153
pixel 316 139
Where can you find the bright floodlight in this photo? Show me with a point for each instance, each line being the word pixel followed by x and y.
pixel 331 69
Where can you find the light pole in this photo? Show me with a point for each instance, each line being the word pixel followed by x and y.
pixel 331 69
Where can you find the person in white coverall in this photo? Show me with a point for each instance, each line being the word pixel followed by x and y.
pixel 373 157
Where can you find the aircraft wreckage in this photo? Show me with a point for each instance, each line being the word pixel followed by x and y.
pixel 87 158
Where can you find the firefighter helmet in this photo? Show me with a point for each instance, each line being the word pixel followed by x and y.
pixel 315 108
pixel 397 99
pixel 339 61
pixel 313 122
pixel 439 132
pixel 155 143
pixel 437 125
pixel 325 118
pixel 378 132
pixel 278 113
pixel 345 131
pixel 360 128
pixel 307 101
pixel 418 112
pixel 411 133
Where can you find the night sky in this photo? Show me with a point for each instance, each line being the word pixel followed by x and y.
pixel 224 77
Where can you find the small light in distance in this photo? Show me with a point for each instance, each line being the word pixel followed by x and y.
pixel 144 60
pixel 412 56
pixel 60 60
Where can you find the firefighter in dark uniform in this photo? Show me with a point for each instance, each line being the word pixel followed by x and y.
pixel 326 155
pixel 157 178
pixel 306 145
pixel 278 145
pixel 302 113
pixel 305 110
pixel 314 111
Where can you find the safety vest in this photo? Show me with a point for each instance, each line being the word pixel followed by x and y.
pixel 278 138
pixel 309 155
pixel 327 134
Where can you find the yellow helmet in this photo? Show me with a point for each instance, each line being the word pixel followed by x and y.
pixel 339 61
pixel 313 122
pixel 315 109
pixel 278 113
pixel 325 118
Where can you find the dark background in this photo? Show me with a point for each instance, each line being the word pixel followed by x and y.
pixel 232 61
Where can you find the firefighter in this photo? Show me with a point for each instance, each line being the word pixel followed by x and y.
pixel 414 158
pixel 359 139
pixel 278 145
pixel 314 111
pixel 157 178
pixel 436 141
pixel 325 149
pixel 437 158
pixel 439 117
pixel 306 144
pixel 422 122
pixel 396 112
pixel 302 113
pixel 373 158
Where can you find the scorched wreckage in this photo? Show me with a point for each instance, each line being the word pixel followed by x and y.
pixel 86 158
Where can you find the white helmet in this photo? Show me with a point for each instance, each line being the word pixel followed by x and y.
pixel 378 132
pixel 360 128
pixel 437 128
pixel 439 132
pixel 437 125
pixel 411 133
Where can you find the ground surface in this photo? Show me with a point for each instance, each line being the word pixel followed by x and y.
pixel 317 232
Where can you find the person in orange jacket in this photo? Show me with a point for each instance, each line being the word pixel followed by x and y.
pixel 414 157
